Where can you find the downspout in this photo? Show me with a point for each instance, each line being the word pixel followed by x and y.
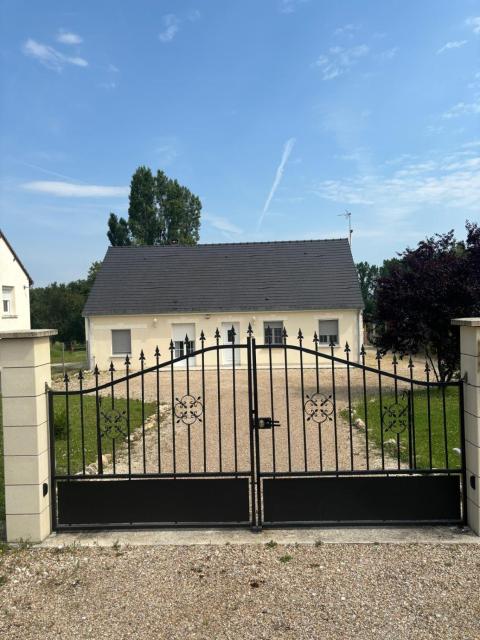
pixel 87 341
pixel 360 331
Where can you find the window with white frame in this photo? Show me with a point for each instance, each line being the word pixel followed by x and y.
pixel 328 332
pixel 121 342
pixel 7 301
pixel 183 336
pixel 273 332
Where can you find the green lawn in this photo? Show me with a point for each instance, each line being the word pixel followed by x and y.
pixel 78 355
pixel 373 418
pixel 90 429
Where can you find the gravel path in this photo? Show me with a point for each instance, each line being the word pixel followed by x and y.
pixel 299 443
pixel 367 592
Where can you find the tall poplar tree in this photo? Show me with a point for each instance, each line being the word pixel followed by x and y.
pixel 161 211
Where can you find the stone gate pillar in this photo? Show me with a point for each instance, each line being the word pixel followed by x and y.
pixel 470 370
pixel 25 371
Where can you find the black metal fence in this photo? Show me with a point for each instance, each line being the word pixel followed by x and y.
pixel 303 435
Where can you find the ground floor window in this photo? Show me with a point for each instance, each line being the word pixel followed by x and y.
pixel 183 348
pixel 328 332
pixel 273 331
pixel 183 336
pixel 121 342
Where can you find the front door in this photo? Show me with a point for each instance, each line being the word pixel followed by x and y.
pixel 228 338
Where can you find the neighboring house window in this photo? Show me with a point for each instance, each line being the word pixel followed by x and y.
pixel 7 301
pixel 121 341
pixel 328 332
pixel 273 332
pixel 180 346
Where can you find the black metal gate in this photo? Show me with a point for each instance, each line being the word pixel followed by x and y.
pixel 275 434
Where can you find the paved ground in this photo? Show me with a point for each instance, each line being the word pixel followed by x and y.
pixel 325 535
pixel 367 592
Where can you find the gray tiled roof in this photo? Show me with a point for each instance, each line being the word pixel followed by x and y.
pixel 250 276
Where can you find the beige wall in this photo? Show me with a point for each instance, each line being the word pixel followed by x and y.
pixel 12 275
pixel 148 331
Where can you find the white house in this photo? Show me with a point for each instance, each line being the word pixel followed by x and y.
pixel 148 296
pixel 15 284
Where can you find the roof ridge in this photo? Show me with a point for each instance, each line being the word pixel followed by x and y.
pixel 231 244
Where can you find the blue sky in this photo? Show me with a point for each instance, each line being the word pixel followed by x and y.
pixel 279 114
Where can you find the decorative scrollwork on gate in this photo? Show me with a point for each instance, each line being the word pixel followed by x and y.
pixel 188 409
pixel 318 407
pixel 113 424
pixel 395 416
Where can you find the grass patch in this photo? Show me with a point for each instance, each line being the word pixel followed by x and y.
pixel 285 558
pixel 79 354
pixel 90 429
pixel 372 413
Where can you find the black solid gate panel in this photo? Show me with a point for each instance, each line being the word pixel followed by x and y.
pixel 153 501
pixel 397 499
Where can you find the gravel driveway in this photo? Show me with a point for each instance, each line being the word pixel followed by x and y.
pixel 299 443
pixel 366 592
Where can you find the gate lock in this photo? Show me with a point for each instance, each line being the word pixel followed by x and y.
pixel 266 423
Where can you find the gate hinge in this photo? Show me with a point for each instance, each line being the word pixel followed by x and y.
pixel 266 423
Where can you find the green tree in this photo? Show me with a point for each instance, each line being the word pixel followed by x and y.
pixel 178 210
pixel 60 306
pixel 143 219
pixel 367 276
pixel 419 294
pixel 118 232
pixel 161 211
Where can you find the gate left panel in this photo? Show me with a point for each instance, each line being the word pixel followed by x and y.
pixel 161 445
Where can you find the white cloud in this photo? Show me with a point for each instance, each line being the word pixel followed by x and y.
pixel 67 37
pixel 346 30
pixel 287 150
pixel 50 57
pixel 453 44
pixel 290 6
pixel 194 15
pixel 109 85
pixel 339 60
pixel 388 54
pixel 171 26
pixel 451 181
pixel 222 224
pixel 475 84
pixel 71 190
pixel 474 22
pixel 167 149
pixel 462 109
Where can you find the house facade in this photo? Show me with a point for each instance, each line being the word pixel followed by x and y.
pixel 145 297
pixel 15 284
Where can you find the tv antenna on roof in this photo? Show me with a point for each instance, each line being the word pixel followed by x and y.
pixel 348 216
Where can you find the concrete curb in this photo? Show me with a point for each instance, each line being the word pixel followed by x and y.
pixel 190 537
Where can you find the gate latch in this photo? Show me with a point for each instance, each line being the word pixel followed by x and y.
pixel 266 423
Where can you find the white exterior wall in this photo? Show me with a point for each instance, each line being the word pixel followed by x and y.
pixel 12 275
pixel 148 331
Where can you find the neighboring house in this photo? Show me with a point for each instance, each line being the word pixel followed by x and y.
pixel 15 284
pixel 147 296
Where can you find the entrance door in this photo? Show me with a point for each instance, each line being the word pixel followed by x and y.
pixel 182 347
pixel 227 338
